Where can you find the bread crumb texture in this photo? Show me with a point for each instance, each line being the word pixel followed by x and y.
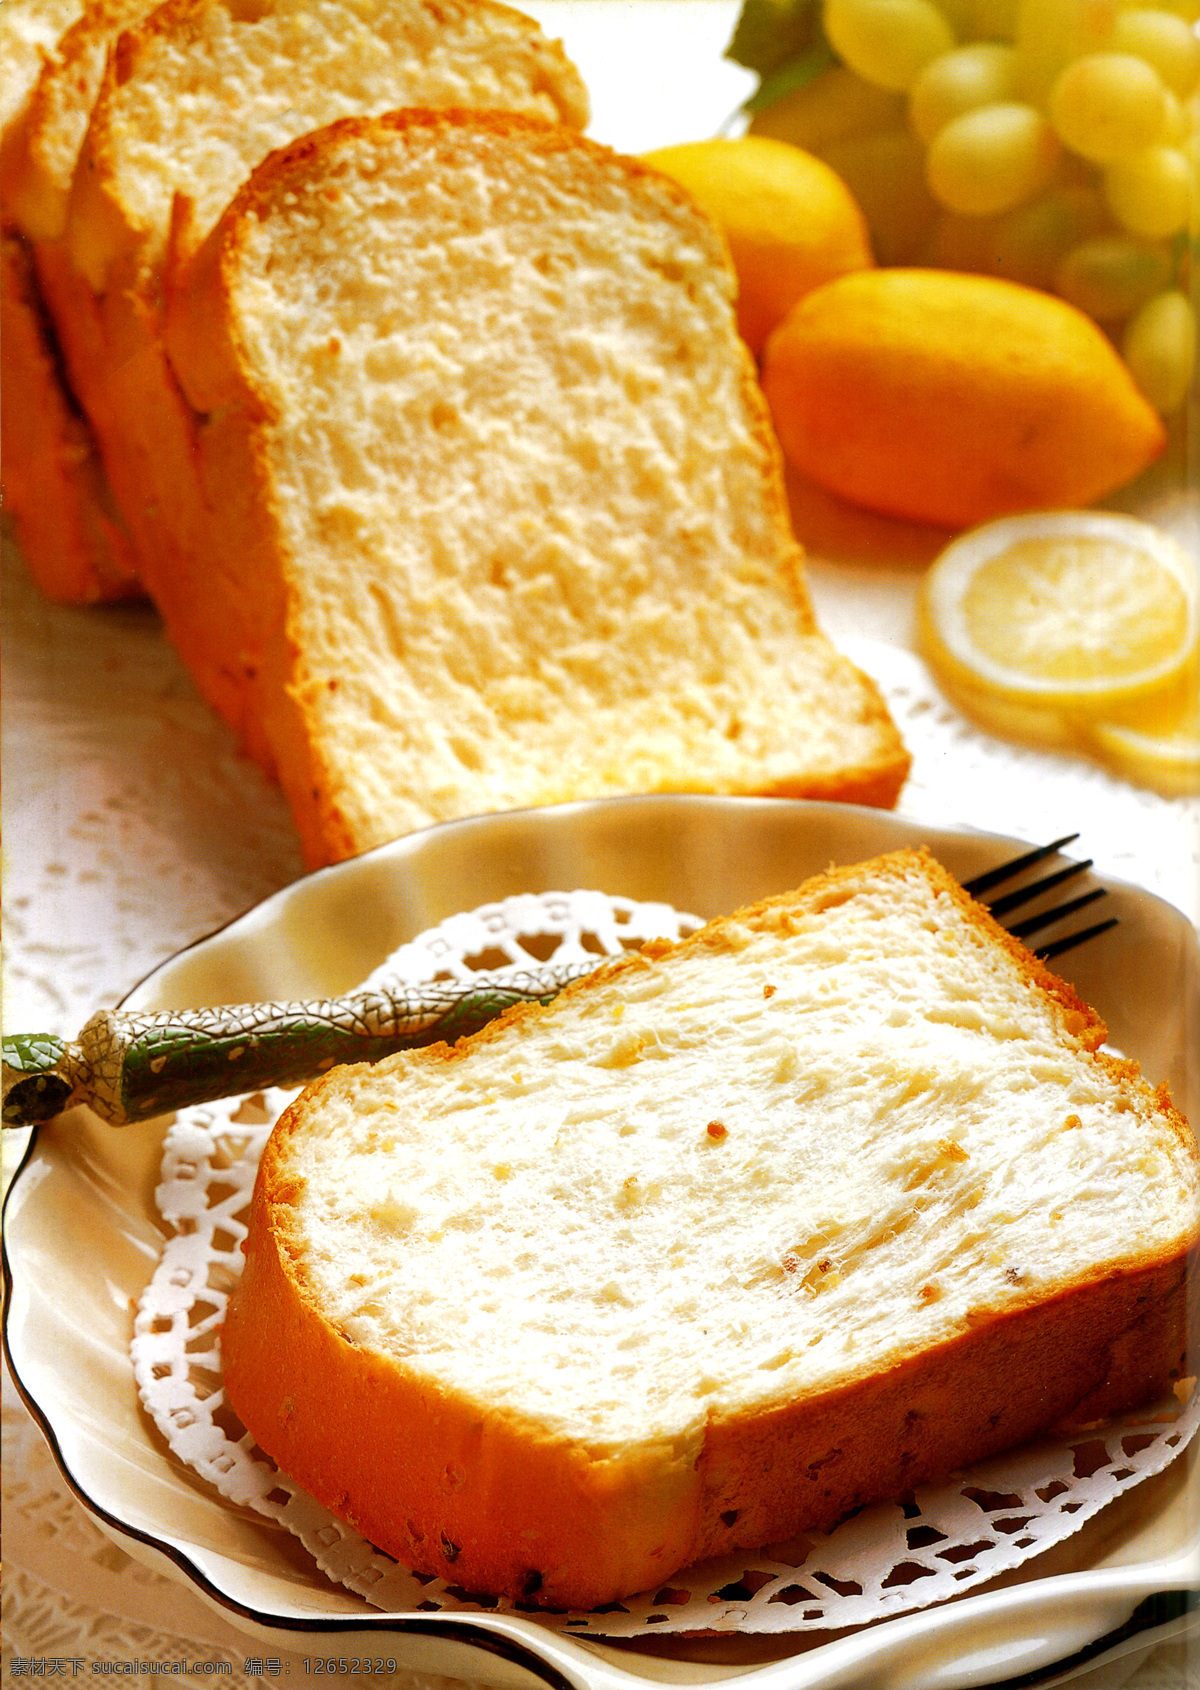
pixel 665 1227
pixel 518 456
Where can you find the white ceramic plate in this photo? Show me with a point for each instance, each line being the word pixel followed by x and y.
pixel 82 1237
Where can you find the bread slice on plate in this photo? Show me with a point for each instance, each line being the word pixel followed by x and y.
pixel 831 1198
pixel 498 516
pixel 71 534
pixel 173 107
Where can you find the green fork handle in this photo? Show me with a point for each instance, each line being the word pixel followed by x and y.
pixel 130 1065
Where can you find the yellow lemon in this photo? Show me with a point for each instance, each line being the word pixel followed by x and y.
pixel 951 398
pixel 789 220
pixel 1070 616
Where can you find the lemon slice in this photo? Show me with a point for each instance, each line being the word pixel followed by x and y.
pixel 1053 730
pixel 1160 746
pixel 1082 612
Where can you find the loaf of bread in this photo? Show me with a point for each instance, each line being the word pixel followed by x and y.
pixel 833 1197
pixel 495 491
pixel 172 107
pixel 55 489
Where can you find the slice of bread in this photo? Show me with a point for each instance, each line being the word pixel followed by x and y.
pixel 497 508
pixel 194 95
pixel 54 483
pixel 830 1199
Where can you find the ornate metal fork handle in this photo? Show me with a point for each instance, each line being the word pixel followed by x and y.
pixel 129 1066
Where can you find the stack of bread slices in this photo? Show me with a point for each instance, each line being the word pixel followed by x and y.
pixel 422 419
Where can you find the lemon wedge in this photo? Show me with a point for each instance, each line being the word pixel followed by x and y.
pixel 1074 614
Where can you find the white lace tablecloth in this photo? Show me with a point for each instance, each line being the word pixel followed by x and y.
pixel 133 827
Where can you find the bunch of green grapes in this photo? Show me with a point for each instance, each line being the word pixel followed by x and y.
pixel 1056 142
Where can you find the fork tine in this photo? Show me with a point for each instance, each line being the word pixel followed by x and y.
pixel 1014 900
pixel 1032 923
pixel 1070 940
pixel 1000 907
pixel 996 876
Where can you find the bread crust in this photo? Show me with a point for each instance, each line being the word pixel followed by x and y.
pixel 72 537
pixel 489 1501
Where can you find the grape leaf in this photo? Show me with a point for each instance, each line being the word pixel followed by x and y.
pixel 770 32
pixel 795 73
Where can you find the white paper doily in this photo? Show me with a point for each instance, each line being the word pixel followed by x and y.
pixel 885 1560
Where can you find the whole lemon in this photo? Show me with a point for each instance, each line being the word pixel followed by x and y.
pixel 789 220
pixel 951 398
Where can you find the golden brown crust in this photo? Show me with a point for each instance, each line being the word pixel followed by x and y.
pixel 72 538
pixel 1098 1349
pixel 488 1501
pixel 471 1496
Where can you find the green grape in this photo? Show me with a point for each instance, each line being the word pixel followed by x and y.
pixel 1028 244
pixel 991 159
pixel 958 81
pixel 1164 41
pixel 960 15
pixel 1188 10
pixel 962 243
pixel 1105 105
pixel 1150 193
pixel 995 20
pixel 1159 346
pixel 886 175
pixel 1109 276
pixel 1191 152
pixel 1177 125
pixel 1050 33
pixel 887 41
pixel 834 105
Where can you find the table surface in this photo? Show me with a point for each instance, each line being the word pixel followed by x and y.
pixel 133 826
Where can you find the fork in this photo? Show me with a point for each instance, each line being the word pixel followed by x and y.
pixel 130 1065
pixel 1024 929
